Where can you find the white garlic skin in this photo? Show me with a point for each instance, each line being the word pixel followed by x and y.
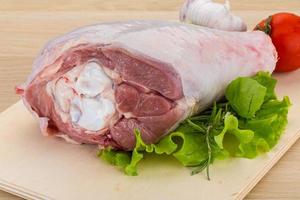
pixel 211 14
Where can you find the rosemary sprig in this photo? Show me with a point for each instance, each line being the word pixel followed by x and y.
pixel 200 118
pixel 196 126
pixel 208 152
pixel 200 167
pixel 205 164
pixel 212 122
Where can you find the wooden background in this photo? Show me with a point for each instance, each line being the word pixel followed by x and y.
pixel 26 25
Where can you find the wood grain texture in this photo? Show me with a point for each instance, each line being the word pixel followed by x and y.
pixel 25 27
pixel 146 5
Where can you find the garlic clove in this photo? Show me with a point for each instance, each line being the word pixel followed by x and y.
pixel 211 14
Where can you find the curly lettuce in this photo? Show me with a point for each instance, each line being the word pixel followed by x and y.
pixel 247 123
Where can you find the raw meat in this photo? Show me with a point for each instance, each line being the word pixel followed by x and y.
pixel 98 83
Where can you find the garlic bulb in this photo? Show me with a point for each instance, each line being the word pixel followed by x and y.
pixel 211 14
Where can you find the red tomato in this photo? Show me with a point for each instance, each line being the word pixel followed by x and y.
pixel 284 29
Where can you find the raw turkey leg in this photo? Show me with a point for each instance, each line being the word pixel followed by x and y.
pixel 100 82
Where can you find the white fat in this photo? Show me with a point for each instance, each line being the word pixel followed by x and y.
pixel 85 94
pixel 73 74
pixel 75 109
pixel 92 80
pixel 91 114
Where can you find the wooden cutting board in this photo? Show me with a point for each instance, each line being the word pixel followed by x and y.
pixel 37 167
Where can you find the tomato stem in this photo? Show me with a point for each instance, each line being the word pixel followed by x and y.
pixel 267 28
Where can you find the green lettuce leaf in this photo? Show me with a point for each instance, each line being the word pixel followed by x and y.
pixel 247 123
pixel 232 138
pixel 245 95
pixel 183 146
pixel 268 126
pixel 267 123
pixel 136 157
pixel 265 79
pixel 117 158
